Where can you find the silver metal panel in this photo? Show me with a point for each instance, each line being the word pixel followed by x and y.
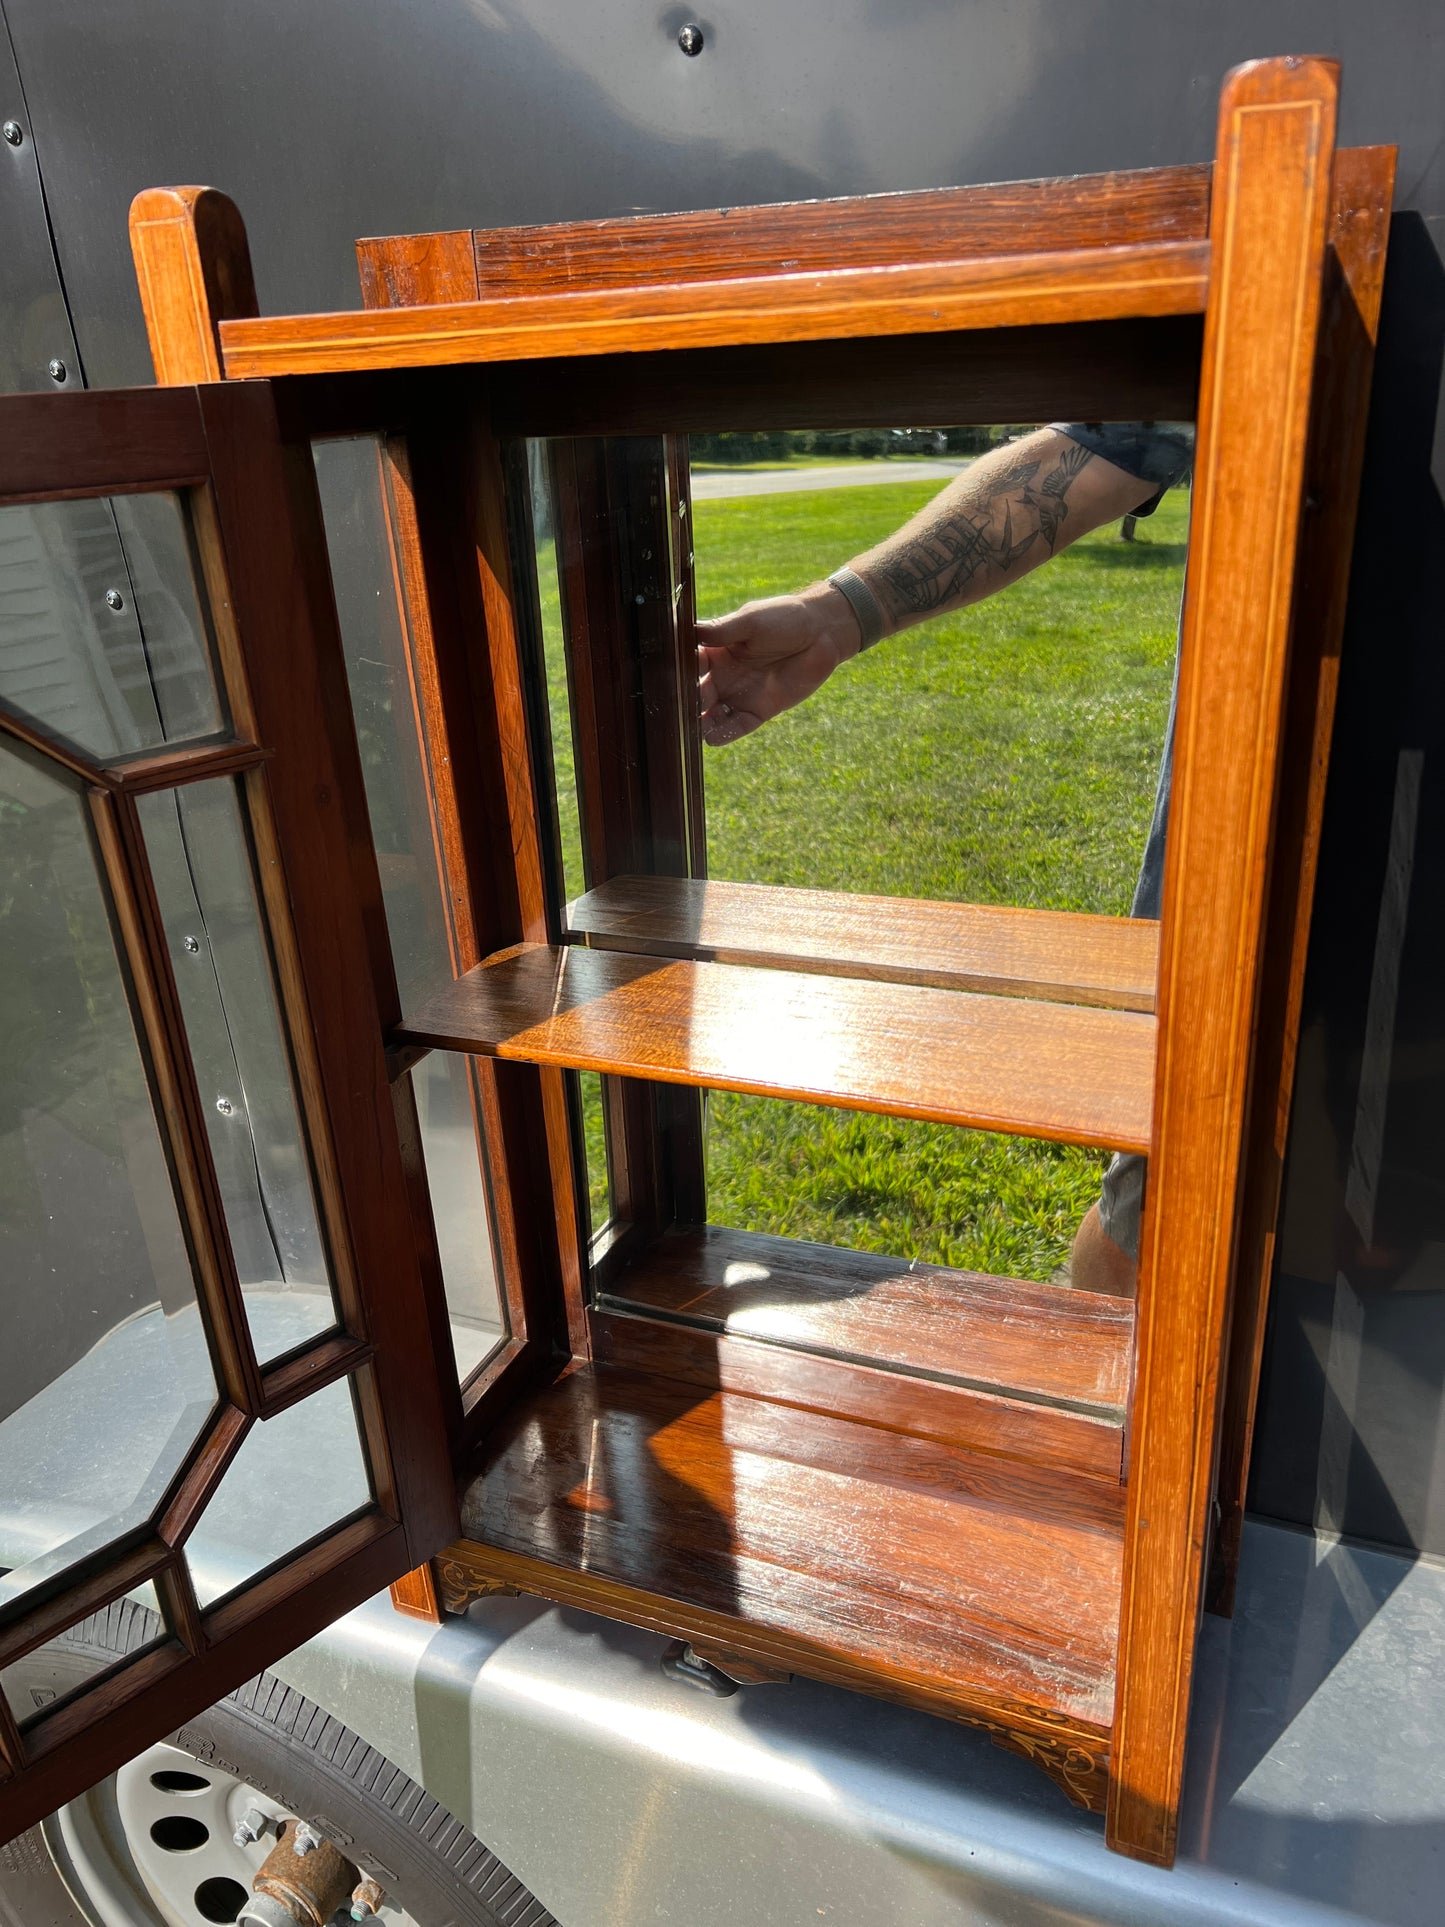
pixel 1316 1794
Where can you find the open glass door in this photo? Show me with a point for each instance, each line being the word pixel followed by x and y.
pixel 221 1406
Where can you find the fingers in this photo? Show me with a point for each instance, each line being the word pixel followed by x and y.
pixel 722 725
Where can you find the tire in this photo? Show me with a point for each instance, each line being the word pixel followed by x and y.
pixel 304 1761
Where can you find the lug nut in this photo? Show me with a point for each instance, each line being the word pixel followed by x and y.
pixel 691 40
pixel 253 1825
pixel 367 1899
pixel 13 132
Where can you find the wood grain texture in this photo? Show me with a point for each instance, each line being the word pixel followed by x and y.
pixel 1145 205
pixel 1059 1071
pixel 193 268
pixel 990 291
pixel 1349 319
pixel 800 1538
pixel 111 441
pixel 1111 962
pixel 928 1408
pixel 415 1595
pixel 1006 1335
pixel 1271 200
pixel 415 270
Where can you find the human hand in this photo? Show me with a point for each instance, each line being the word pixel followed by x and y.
pixel 768 656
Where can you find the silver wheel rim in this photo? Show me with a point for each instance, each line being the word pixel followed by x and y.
pixel 152 1845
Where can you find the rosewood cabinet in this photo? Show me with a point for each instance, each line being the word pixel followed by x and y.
pixel 996 1500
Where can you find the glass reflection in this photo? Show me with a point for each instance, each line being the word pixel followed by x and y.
pixel 105 1379
pixel 53 1673
pixel 200 859
pixel 295 1477
pixel 393 766
pixel 104 646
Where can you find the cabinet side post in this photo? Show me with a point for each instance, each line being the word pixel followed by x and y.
pixel 1267 234
pixel 193 267
pixel 1344 357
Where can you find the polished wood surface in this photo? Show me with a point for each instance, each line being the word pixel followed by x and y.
pixel 1354 280
pixel 1000 1424
pixel 1005 1335
pixel 989 291
pixel 193 267
pixel 1058 1071
pixel 1268 225
pixel 109 441
pixel 1144 205
pixel 1056 955
pixel 989 1584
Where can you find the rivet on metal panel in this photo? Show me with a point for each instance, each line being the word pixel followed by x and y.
pixel 226 1108
pixel 13 132
pixel 691 39
pixel 114 599
pixel 57 371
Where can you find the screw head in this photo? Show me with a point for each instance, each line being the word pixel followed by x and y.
pixel 57 371
pixel 192 944
pixel 691 40
pixel 226 1107
pixel 114 599
pixel 13 132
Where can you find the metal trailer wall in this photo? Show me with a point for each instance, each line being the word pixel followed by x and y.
pixel 337 118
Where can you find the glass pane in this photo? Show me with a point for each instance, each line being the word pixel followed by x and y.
pixel 66 1664
pixel 205 879
pixel 105 1379
pixel 446 1111
pixel 296 1476
pixel 378 673
pixel 554 653
pixel 101 645
pixel 1001 746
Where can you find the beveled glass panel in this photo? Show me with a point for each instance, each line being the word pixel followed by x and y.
pixel 105 1379
pixel 394 769
pixel 296 1476
pixel 105 646
pixel 63 1666
pixel 200 855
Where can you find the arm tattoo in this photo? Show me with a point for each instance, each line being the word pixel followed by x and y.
pixel 990 530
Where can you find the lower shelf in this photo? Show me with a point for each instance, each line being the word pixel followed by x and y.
pixel 967 1585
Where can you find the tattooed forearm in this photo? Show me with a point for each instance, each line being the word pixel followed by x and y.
pixel 1008 509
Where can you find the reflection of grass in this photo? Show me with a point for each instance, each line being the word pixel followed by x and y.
pixel 1004 755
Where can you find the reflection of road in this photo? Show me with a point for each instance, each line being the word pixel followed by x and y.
pixel 712 485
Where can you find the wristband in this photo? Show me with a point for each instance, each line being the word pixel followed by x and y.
pixel 864 604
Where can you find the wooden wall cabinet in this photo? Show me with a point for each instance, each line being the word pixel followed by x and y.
pixel 993 1500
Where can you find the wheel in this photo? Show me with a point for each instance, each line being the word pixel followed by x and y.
pixel 152 1845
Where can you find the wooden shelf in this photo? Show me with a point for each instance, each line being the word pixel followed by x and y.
pixel 1112 962
pixel 1058 1071
pixel 1002 1335
pixel 926 296
pixel 815 1545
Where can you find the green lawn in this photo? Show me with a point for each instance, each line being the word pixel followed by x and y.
pixel 1004 755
